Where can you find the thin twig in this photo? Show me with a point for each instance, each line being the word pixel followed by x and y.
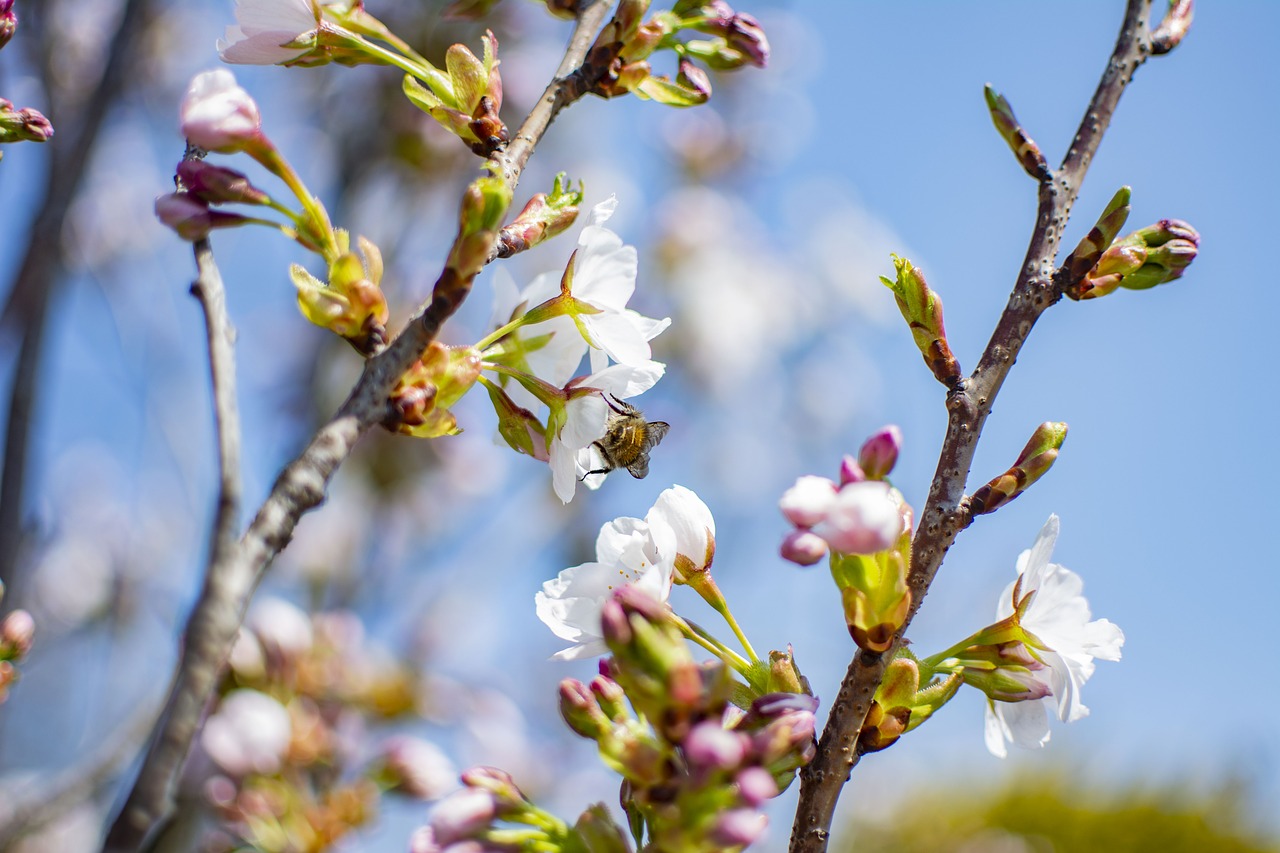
pixel 300 487
pixel 945 512
pixel 220 606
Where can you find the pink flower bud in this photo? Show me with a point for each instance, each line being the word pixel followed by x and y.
pixel 250 733
pixel 807 502
pixel 28 124
pixel 803 547
pixel 738 828
pixel 694 78
pixel 17 631
pixel 418 768
pixel 863 519
pixel 283 629
pixel 755 785
pixel 500 785
pixel 190 217
pixel 8 21
pixel 851 471
pixel 880 453
pixel 462 814
pixel 217 115
pixel 710 747
pixel 615 627
pixel 747 37
pixel 217 185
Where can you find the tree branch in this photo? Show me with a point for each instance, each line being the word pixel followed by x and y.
pixel 946 513
pixel 234 575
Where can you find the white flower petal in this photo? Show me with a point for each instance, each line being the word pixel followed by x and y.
pixel 564 470
pixel 570 604
pixel 592 649
pixel 682 525
pixel 601 212
pixel 618 336
pixel 1058 616
pixel 1026 722
pixel 604 270
pixel 996 733
pixel 263 26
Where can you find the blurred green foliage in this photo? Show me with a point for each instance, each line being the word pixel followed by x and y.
pixel 1060 813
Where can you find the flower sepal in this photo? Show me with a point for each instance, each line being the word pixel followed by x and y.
pixel 351 304
pixel 465 100
pixel 1035 460
pixel 873 587
pixel 544 216
pixel 921 307
pixel 420 402
pixel 901 702
pixel 518 426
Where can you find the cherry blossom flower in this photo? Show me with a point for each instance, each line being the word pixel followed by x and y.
pixel 1058 617
pixel 550 350
pixel 683 526
pixel 570 604
pixel 860 517
pixel 631 551
pixel 218 115
pixel 603 275
pixel 864 518
pixel 418 768
pixel 250 733
pixel 281 628
pixel 264 28
pixel 569 450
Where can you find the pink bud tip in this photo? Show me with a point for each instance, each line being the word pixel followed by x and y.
pixel 755 785
pixel 863 519
pixel 806 503
pixel 880 452
pixel 739 827
pixel 710 746
pixel 851 471
pixel 803 547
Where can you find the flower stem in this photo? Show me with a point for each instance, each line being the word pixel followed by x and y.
pixel 313 210
pixel 500 333
pixel 725 612
pixel 437 80
pixel 700 636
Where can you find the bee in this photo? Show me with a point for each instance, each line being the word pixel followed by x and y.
pixel 627 439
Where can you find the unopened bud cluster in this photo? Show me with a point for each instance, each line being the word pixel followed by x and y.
pixel 1149 256
pixel 466 97
pixel 296 687
pixel 17 631
pixel 921 307
pixel 545 216
pixel 860 515
pixel 218 115
pixel 696 769
pixel 865 526
pixel 18 125
pixel 420 402
pixel 618 62
pixel 902 702
pixel 1036 458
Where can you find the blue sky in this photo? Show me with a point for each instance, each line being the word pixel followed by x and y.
pixel 867 135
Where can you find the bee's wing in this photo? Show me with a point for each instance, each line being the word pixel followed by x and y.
pixel 640 468
pixel 655 433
